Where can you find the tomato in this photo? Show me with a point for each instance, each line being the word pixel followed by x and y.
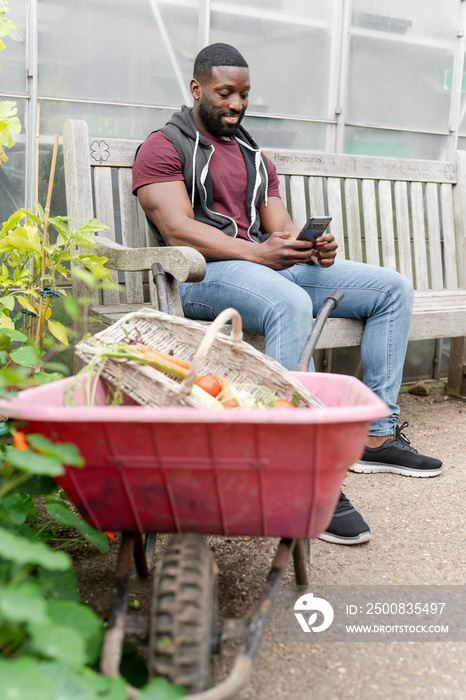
pixel 209 383
pixel 283 403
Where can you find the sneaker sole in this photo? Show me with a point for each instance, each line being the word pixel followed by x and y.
pixel 337 539
pixel 380 467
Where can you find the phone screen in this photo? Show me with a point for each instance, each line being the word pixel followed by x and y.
pixel 314 228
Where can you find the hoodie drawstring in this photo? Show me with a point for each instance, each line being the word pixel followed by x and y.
pixel 193 189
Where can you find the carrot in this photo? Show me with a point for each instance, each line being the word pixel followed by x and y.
pixel 20 440
pixel 227 397
pixel 160 363
pixel 163 356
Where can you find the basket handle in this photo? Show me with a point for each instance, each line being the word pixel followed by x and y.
pixel 229 314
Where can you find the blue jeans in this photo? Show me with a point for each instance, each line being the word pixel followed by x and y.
pixel 281 306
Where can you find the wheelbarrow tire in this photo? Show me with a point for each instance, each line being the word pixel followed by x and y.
pixel 183 626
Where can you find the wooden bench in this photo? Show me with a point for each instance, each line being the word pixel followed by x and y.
pixel 407 215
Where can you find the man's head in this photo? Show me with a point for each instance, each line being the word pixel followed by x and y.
pixel 220 88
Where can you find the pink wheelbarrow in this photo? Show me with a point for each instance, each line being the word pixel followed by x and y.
pixel 194 472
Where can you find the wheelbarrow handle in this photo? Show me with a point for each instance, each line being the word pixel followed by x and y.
pixel 329 304
pixel 160 281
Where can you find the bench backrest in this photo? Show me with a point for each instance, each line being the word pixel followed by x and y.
pixel 407 215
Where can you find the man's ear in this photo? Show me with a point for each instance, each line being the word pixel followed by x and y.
pixel 195 89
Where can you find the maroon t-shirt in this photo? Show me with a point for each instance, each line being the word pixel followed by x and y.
pixel 158 161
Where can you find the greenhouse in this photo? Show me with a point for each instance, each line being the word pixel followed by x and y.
pixel 372 77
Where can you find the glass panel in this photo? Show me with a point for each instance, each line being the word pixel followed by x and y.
pixel 13 57
pixel 12 173
pixel 288 46
pixel 114 51
pixel 401 58
pixel 394 144
pixel 287 133
pixel 103 120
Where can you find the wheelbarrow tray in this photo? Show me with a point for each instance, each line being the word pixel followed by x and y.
pixel 269 473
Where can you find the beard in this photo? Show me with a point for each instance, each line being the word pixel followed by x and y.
pixel 214 124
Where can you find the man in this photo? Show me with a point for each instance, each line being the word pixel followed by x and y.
pixel 203 182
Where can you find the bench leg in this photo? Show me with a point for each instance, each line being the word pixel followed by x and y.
pixel 456 382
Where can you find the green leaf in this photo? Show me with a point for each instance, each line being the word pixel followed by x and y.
pixel 26 356
pixel 25 303
pixel 95 264
pixel 17 549
pixel 46 377
pixel 85 276
pixel 34 463
pixel 66 452
pixel 8 302
pixel 82 684
pixel 59 331
pixel 161 689
pixel 58 642
pixel 82 619
pixel 59 585
pixel 23 679
pixel 71 307
pixel 23 603
pixel 63 515
pixel 6 26
pixel 13 510
pixel 13 334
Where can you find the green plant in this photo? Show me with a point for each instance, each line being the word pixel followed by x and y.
pixel 10 125
pixel 50 640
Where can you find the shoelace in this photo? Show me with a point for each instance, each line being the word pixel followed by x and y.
pixel 399 435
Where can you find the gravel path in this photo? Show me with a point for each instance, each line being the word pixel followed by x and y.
pixel 418 539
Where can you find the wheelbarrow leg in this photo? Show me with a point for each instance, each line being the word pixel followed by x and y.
pixel 114 636
pixel 301 557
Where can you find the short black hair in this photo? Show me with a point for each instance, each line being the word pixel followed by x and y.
pixel 217 55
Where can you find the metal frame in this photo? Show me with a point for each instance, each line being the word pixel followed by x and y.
pixel 132 548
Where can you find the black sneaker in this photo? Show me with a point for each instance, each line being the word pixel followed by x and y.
pixel 347 525
pixel 398 457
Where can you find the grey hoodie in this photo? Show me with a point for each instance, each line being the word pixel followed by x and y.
pixel 195 153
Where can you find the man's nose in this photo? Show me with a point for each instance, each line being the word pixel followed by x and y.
pixel 237 104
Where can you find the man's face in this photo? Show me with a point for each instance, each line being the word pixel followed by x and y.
pixel 223 100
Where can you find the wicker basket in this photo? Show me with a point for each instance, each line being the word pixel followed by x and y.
pixel 205 347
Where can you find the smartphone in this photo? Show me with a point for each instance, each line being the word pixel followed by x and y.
pixel 314 228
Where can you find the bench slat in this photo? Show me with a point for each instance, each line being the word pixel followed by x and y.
pixel 336 212
pixel 104 211
pixel 386 225
pixel 353 220
pixel 449 241
pixel 298 201
pixel 402 229
pixel 316 196
pixel 129 226
pixel 433 232
pixel 371 234
pixel 419 241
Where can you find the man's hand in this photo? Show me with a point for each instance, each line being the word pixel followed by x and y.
pixel 281 250
pixel 325 250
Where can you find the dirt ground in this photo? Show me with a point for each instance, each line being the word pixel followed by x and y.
pixel 418 539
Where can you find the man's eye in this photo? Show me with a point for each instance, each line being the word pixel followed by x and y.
pixel 223 95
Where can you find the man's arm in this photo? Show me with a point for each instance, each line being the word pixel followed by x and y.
pixel 167 204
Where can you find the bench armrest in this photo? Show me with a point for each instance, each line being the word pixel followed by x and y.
pixel 183 263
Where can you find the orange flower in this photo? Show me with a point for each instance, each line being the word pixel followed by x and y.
pixel 110 535
pixel 20 441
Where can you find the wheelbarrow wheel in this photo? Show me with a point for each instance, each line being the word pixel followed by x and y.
pixel 183 627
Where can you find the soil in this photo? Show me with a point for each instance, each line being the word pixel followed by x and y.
pixel 418 538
